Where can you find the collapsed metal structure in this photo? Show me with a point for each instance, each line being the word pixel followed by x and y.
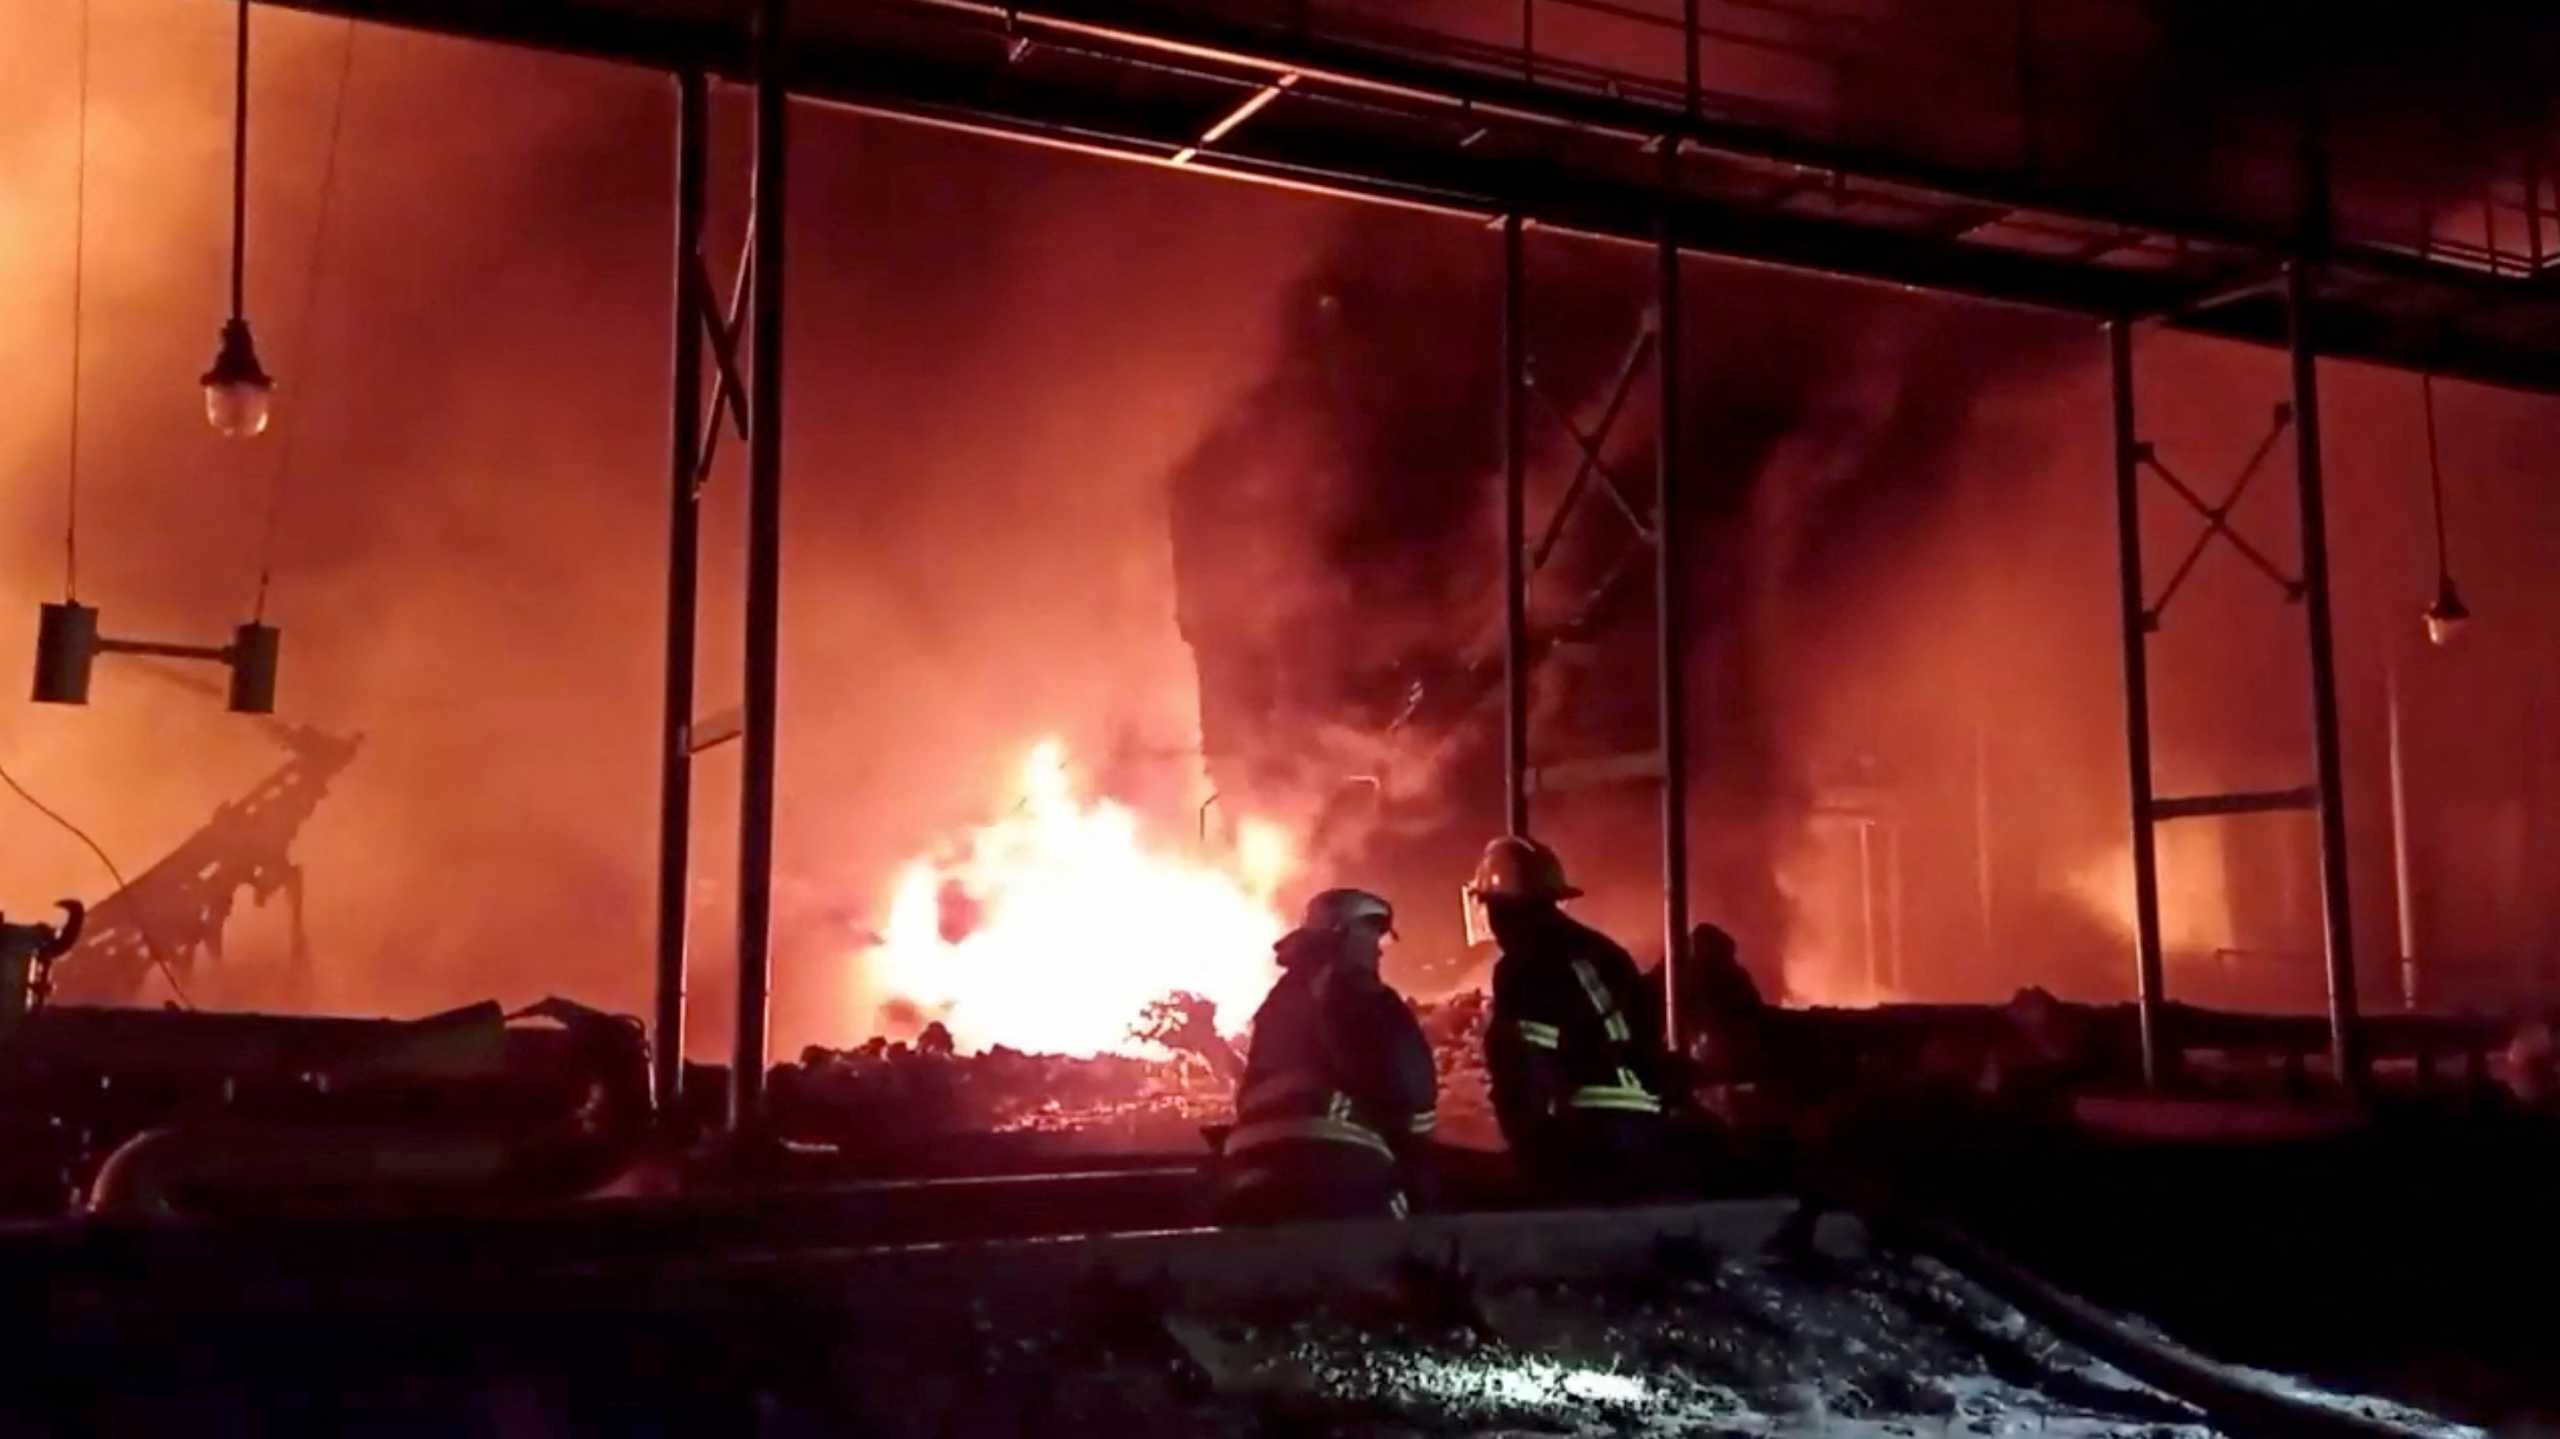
pixel 1315 97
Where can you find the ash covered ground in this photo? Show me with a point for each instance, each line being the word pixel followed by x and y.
pixel 1871 1344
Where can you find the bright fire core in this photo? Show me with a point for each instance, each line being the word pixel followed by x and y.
pixel 1054 927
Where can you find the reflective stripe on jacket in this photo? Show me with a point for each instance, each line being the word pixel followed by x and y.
pixel 1336 1058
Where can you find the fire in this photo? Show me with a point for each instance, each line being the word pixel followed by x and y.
pixel 1051 928
pixel 2195 896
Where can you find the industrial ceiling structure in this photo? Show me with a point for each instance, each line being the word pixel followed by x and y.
pixel 1496 113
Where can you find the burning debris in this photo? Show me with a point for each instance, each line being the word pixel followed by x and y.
pixel 1053 927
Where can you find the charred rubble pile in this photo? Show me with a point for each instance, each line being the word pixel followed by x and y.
pixel 1747 1060
pixel 884 1092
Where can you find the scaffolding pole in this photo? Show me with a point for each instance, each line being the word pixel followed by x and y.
pixel 1670 604
pixel 764 582
pixel 684 445
pixel 2137 701
pixel 1515 524
pixel 2346 1051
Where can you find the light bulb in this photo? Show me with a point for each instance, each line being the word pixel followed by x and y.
pixel 2447 616
pixel 236 391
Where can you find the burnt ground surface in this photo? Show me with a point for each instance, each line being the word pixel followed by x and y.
pixel 2416 1262
pixel 1861 1345
pixel 661 1331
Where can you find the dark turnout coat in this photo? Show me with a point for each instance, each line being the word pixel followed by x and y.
pixel 1338 1099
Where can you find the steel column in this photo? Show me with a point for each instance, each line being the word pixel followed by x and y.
pixel 764 581
pixel 1515 528
pixel 2401 888
pixel 2137 701
pixel 684 436
pixel 2346 1050
pixel 1671 605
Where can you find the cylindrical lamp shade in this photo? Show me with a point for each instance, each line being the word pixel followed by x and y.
pixel 66 646
pixel 253 669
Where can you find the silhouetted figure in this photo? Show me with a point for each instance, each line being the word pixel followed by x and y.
pixel 1573 1049
pixel 1336 1109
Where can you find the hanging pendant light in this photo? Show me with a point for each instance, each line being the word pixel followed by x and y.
pixel 2447 616
pixel 237 390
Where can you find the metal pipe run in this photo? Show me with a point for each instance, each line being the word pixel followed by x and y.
pixel 675 741
pixel 764 581
pixel 2137 701
pixel 1671 605
pixel 2337 914
pixel 1515 527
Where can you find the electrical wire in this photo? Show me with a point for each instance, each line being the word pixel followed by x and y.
pixel 79 270
pixel 150 945
pixel 2435 471
pixel 303 331
pixel 240 167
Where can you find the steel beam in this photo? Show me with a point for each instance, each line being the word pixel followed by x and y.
pixel 684 447
pixel 1515 529
pixel 2337 914
pixel 2252 801
pixel 1671 607
pixel 2137 702
pixel 764 581
pixel 841 63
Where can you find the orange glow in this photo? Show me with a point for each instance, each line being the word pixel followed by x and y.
pixel 2195 896
pixel 1050 929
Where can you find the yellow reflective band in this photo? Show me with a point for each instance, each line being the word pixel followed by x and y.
pixel 1398 1207
pixel 1616 1025
pixel 1332 1131
pixel 1544 1036
pixel 1593 989
pixel 1425 1122
pixel 1612 1096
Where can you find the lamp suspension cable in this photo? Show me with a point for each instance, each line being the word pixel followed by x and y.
pixel 79 271
pixel 240 164
pixel 2435 472
pixel 304 332
pixel 238 392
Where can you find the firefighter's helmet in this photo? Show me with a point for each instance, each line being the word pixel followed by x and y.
pixel 1336 910
pixel 1516 866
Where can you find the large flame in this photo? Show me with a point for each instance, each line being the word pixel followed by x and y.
pixel 1053 928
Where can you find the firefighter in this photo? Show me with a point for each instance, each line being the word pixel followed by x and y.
pixel 1335 1111
pixel 1573 1049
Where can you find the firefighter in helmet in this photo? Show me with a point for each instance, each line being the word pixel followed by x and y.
pixel 1335 1111
pixel 1573 1050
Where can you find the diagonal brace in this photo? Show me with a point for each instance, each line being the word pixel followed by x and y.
pixel 1593 464
pixel 1582 475
pixel 729 391
pixel 722 332
pixel 2217 519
